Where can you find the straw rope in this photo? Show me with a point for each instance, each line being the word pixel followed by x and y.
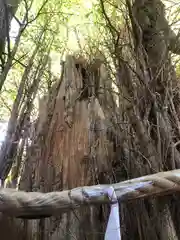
pixel 36 205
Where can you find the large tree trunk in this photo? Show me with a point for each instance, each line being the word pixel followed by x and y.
pixel 151 117
pixel 70 150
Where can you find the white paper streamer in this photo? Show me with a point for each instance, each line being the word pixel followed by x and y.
pixel 113 231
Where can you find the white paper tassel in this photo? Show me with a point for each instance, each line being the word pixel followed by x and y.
pixel 113 231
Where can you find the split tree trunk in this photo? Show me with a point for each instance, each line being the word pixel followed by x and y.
pixel 70 149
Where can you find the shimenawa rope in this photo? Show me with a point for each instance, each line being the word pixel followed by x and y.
pixel 36 205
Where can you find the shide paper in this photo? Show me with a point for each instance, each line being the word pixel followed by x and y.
pixel 113 230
